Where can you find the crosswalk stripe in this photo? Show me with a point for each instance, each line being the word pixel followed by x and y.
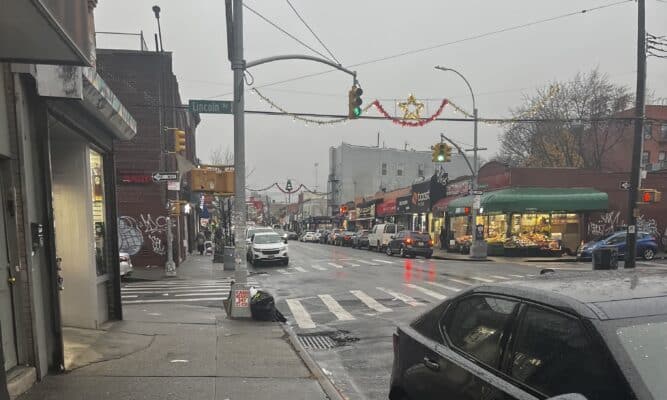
pixel 460 281
pixel 440 285
pixel 335 308
pixel 129 297
pixel 502 278
pixel 365 262
pixel 404 298
pixel 300 314
pixel 427 292
pixel 370 302
pixel 353 264
pixel 299 269
pixel 199 294
pixel 284 272
pixel 317 267
pixel 335 265
pixel 477 278
pixel 174 300
pixel 517 276
pixel 383 261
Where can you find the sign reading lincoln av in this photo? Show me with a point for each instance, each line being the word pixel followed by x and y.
pixel 211 106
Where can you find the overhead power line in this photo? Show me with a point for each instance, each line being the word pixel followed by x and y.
pixel 440 45
pixel 313 32
pixel 268 21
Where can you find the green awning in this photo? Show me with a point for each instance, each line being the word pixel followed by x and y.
pixel 534 199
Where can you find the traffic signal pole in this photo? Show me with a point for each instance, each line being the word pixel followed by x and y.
pixel 635 178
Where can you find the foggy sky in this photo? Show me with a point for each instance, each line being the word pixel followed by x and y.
pixel 502 68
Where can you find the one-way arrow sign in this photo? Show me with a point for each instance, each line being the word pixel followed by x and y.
pixel 625 185
pixel 164 176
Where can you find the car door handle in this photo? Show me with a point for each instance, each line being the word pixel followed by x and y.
pixel 430 364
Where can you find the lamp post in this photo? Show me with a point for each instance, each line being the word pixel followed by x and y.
pixel 478 248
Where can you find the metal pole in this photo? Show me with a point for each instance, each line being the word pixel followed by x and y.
pixel 170 267
pixel 239 218
pixel 635 178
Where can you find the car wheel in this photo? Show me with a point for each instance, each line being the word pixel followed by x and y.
pixel 428 256
pixel 402 252
pixel 648 254
pixel 387 251
pixel 286 262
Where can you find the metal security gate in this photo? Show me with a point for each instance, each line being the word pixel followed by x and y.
pixel 6 301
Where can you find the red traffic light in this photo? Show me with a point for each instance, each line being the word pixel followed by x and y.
pixel 649 196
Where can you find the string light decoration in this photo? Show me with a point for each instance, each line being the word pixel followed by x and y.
pixel 407 112
pixel 304 119
pixel 410 123
pixel 285 191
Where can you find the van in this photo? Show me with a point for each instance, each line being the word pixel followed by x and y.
pixel 380 235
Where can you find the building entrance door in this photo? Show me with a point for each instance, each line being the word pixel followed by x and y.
pixel 6 300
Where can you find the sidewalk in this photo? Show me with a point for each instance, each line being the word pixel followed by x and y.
pixel 180 351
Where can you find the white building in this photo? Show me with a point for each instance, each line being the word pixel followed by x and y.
pixel 361 171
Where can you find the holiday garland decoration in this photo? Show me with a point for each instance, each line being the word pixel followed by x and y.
pixel 285 191
pixel 411 123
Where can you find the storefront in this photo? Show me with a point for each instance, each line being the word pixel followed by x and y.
pixel 386 211
pixel 403 215
pixel 420 206
pixel 440 218
pixel 526 222
pixel 365 215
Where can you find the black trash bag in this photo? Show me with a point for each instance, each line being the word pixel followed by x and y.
pixel 263 308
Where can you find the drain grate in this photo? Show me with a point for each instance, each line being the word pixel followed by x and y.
pixel 316 342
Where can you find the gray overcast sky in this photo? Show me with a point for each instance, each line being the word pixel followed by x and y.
pixel 502 68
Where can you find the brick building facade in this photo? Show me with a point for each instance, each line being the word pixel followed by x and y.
pixel 145 82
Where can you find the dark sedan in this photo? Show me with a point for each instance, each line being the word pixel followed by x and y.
pixel 600 335
pixel 409 243
pixel 360 240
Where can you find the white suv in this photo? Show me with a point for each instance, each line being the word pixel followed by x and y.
pixel 380 235
pixel 268 247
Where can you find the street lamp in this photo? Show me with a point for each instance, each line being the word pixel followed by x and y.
pixel 478 248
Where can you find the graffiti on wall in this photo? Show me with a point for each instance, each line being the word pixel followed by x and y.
pixel 611 222
pixel 134 232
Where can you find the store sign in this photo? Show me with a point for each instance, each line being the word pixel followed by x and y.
pixel 174 185
pixel 403 205
pixel 366 210
pixel 130 177
pixel 386 208
pixel 458 188
pixel 421 197
pixel 241 298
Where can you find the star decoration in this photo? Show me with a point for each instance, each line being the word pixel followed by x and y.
pixel 416 112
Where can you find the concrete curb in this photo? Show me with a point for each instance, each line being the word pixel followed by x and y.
pixel 463 259
pixel 329 389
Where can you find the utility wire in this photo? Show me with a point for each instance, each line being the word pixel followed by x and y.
pixel 313 32
pixel 285 32
pixel 423 49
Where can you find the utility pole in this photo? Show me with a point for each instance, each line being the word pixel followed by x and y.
pixel 635 178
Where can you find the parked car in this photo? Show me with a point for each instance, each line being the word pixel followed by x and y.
pixel 268 247
pixel 647 245
pixel 292 235
pixel 380 236
pixel 309 237
pixel 598 334
pixel 410 243
pixel 331 239
pixel 344 238
pixel 126 267
pixel 281 233
pixel 324 236
pixel 360 240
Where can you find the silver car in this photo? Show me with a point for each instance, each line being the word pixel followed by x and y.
pixel 268 247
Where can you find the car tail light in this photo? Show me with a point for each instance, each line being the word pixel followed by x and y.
pixel 408 241
pixel 430 242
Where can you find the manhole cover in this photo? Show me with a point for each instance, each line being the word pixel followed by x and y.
pixel 317 342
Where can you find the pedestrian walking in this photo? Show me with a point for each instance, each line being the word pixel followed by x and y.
pixel 201 239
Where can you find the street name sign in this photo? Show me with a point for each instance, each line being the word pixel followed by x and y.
pixel 211 106
pixel 165 176
pixel 625 185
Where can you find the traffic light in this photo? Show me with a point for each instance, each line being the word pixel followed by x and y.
pixel 649 196
pixel 447 152
pixel 179 141
pixel 288 187
pixel 354 102
pixel 435 152
pixel 441 153
pixel 343 209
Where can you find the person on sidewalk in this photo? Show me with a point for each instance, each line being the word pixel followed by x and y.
pixel 201 239
pixel 443 237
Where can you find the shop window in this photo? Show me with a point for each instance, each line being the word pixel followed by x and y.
pixel 399 170
pixel 99 228
pixel 661 155
pixel 496 229
pixel 384 169
pixel 420 169
pixel 663 131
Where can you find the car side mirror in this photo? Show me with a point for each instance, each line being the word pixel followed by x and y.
pixel 393 236
pixel 285 240
pixel 568 396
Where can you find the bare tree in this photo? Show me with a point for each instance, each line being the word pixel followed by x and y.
pixel 575 129
pixel 220 156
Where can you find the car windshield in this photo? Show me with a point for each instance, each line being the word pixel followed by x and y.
pixel 267 239
pixel 258 230
pixel 644 343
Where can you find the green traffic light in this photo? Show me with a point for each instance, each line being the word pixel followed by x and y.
pixel 441 157
pixel 357 111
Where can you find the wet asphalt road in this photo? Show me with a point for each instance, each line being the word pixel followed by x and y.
pixel 360 296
